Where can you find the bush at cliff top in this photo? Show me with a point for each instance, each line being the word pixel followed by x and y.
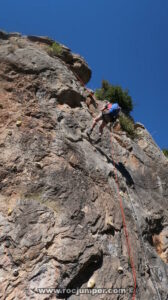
pixel 115 93
pixel 56 49
pixel 165 151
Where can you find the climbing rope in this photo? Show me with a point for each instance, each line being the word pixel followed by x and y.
pixel 122 212
pixel 124 222
pixel 140 235
pixel 123 217
pixel 143 245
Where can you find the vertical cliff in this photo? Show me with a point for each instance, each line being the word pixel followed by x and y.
pixel 61 223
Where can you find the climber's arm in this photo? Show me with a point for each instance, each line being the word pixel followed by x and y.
pixel 104 107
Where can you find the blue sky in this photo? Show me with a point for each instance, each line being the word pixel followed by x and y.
pixel 123 41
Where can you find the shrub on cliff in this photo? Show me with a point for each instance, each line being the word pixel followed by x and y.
pixel 127 124
pixel 115 93
pixel 55 49
pixel 165 151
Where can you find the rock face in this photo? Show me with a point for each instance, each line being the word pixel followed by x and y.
pixel 60 219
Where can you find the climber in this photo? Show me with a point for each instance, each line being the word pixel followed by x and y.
pixel 109 113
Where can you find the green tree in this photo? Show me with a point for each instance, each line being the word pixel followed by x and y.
pixel 115 93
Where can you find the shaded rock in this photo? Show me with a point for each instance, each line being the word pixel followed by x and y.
pixel 41 39
pixel 3 35
pixel 79 66
pixel 15 273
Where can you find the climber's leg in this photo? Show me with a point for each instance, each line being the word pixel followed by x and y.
pixel 102 125
pixel 96 120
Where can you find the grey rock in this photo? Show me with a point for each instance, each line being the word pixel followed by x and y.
pixel 60 218
pixel 14 34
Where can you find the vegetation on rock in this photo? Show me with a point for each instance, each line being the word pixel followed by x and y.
pixel 116 93
pixel 165 151
pixel 55 49
pixel 127 124
pixel 111 92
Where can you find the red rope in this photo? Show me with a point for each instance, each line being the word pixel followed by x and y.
pixel 122 213
pixel 77 76
pixel 125 226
